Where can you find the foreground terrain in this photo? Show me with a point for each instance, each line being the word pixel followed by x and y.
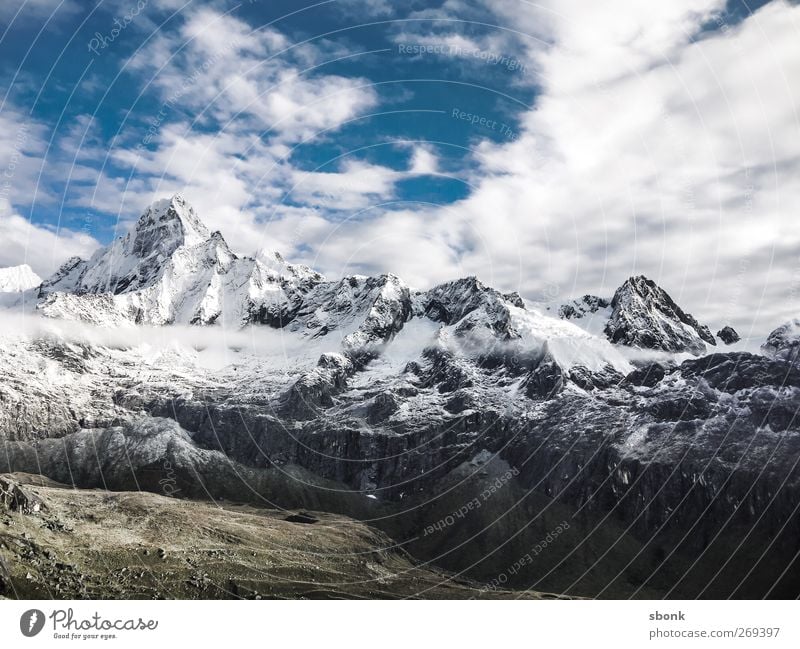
pixel 99 544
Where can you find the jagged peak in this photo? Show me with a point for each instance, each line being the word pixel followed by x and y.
pixel 71 263
pixel 215 249
pixel 728 335
pixel 66 278
pixel 385 279
pixel 647 289
pixel 166 225
pixel 136 260
pixel 642 286
pixel 640 281
pixel 582 307
pixel 452 300
pixel 634 321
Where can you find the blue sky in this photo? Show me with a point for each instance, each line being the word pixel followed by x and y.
pixel 552 148
pixel 62 82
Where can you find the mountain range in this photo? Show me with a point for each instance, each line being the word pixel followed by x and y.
pixel 464 422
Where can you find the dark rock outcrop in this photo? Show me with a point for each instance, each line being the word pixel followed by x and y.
pixel 315 389
pixel 648 375
pixel 728 335
pixel 603 379
pixel 546 381
pixel 737 371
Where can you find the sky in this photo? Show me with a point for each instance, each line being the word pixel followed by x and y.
pixel 554 148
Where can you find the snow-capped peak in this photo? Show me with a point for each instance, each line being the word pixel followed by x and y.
pixel 170 269
pixel 16 279
pixel 136 260
pixel 166 223
pixel 641 314
pixel 644 315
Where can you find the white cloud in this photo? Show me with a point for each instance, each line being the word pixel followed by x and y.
pixel 356 186
pixel 678 161
pixel 424 161
pixel 235 101
pixel 23 142
pixel 218 66
pixel 596 43
pixel 43 248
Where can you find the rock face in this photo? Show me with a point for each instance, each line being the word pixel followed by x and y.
pixel 16 279
pixel 784 342
pixel 398 406
pixel 16 498
pixel 644 315
pixel 648 375
pixel 728 335
pixel 546 381
pixel 364 312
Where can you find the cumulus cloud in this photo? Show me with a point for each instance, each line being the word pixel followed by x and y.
pixel 424 161
pixel 218 66
pixel 357 184
pixel 22 143
pixel 44 249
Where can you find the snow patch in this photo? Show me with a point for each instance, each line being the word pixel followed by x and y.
pixel 16 279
